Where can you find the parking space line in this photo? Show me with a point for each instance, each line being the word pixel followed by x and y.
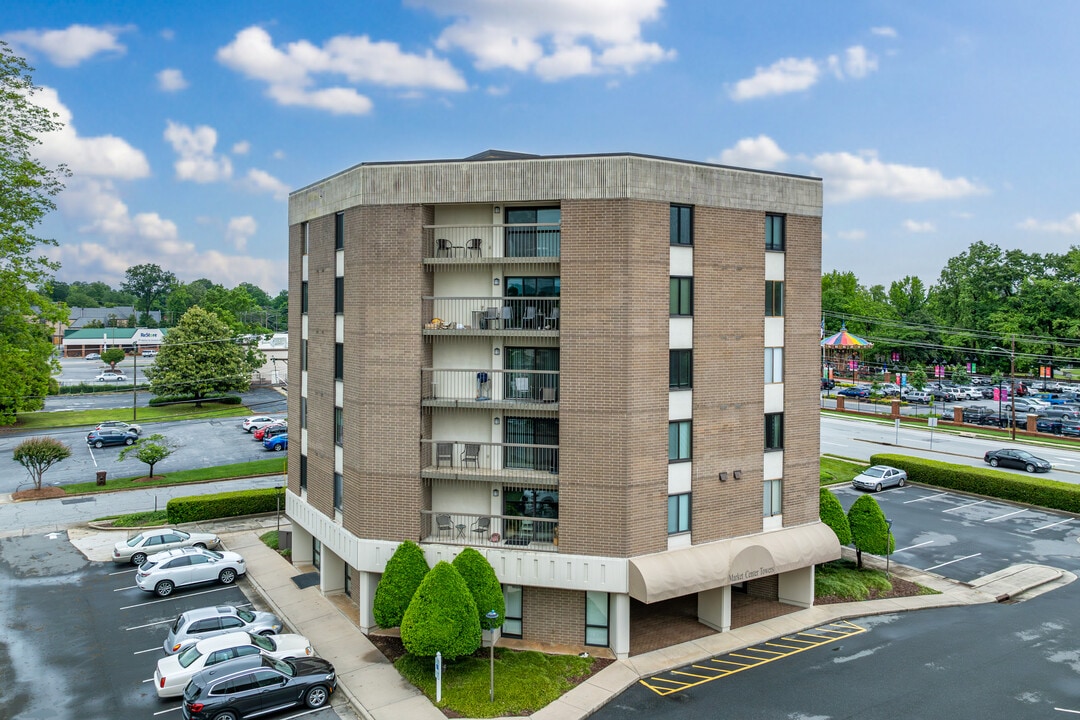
pixel 1015 512
pixel 167 599
pixel 175 709
pixel 143 652
pixel 1067 710
pixel 912 547
pixel 1066 520
pixel 126 587
pixel 966 557
pixel 961 507
pixel 928 497
pixel 123 572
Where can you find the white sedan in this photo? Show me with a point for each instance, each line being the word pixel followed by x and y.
pixel 174 672
pixel 879 476
pixel 109 375
pixel 151 542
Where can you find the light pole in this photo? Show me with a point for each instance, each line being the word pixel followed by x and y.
pixel 135 384
pixel 277 498
pixel 492 616
pixel 1012 384
pixel 888 545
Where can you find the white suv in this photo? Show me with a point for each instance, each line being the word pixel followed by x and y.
pixel 919 396
pixel 255 422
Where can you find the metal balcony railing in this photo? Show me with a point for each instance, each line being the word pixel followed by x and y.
pixel 490 314
pixel 475 243
pixel 486 385
pixel 507 531
pixel 489 461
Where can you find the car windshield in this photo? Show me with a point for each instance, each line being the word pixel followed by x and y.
pixel 245 615
pixel 262 642
pixel 179 622
pixel 213 554
pixel 874 472
pixel 134 542
pixel 282 666
pixel 183 535
pixel 189 655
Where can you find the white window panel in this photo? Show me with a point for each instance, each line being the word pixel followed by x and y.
pixel 682 261
pixel 774 265
pixel 680 403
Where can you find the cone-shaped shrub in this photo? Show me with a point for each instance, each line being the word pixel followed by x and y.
pixel 869 531
pixel 442 616
pixel 832 514
pixel 403 574
pixel 484 585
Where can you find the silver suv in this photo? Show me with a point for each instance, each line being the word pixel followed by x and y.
pixel 195 625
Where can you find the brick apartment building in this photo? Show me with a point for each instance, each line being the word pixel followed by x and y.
pixel 483 344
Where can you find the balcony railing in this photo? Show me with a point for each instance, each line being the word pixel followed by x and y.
pixel 489 386
pixel 479 243
pixel 504 531
pixel 494 315
pixel 455 459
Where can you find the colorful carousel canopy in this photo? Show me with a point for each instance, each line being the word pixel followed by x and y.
pixel 844 339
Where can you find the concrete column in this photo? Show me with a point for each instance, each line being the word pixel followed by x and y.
pixel 714 608
pixel 797 587
pixel 332 573
pixel 302 553
pixel 619 625
pixel 365 598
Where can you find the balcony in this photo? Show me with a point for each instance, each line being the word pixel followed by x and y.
pixel 525 243
pixel 494 531
pixel 531 316
pixel 491 388
pixel 488 461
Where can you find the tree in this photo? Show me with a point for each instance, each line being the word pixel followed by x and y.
pixel 869 531
pixel 39 454
pixel 148 283
pixel 484 585
pixel 960 376
pixel 404 572
pixel 442 616
pixel 917 378
pixel 200 358
pixel 832 514
pixel 150 450
pixel 27 189
pixel 112 356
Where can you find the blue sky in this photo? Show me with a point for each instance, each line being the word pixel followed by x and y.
pixel 934 125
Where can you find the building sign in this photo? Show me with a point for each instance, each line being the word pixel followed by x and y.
pixel 149 336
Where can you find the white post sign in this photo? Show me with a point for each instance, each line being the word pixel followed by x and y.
pixel 438 677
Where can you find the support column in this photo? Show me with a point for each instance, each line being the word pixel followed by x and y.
pixel 365 598
pixel 332 573
pixel 619 625
pixel 714 608
pixel 302 553
pixel 796 587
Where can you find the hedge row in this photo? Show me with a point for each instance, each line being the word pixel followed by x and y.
pixel 82 388
pixel 1028 489
pixel 177 399
pixel 227 504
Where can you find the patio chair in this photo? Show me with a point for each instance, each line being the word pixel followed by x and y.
pixel 482 528
pixel 471 454
pixel 444 451
pixel 529 318
pixel 444 524
pixel 475 246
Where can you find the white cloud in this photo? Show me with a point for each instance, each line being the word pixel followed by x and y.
pixel 915 226
pixel 290 72
pixel 241 148
pixel 854 177
pixel 278 155
pixel 101 156
pixel 884 31
pixel 761 152
pixel 239 230
pixel 261 181
pixel 554 39
pixel 70 46
pixel 1068 226
pixel 783 76
pixel 858 63
pixel 171 80
pixel 195 149
pixel 854 235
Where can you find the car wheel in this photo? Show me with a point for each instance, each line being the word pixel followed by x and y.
pixel 164 588
pixel 227 715
pixel 138 558
pixel 267 633
pixel 902 483
pixel 201 545
pixel 227 576
pixel 129 441
pixel 279 447
pixel 1029 467
pixel 99 444
pixel 877 488
pixel 250 430
pixel 993 462
pixel 316 697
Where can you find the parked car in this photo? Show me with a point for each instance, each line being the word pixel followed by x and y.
pixel 151 542
pixel 855 392
pixel 1026 405
pixel 174 671
pixel 975 414
pixel 93 356
pixel 269 431
pixel 101 438
pixel 277 443
pixel 204 622
pixel 1048 425
pixel 1070 428
pixel 253 685
pixel 1021 459
pixel 1060 412
pixel 919 396
pixel 164 572
pixel 972 393
pixel 149 353
pixel 827 384
pixel 111 376
pixel 994 419
pixel 253 423
pixel 879 476
pixel 890 389
pixel 119 425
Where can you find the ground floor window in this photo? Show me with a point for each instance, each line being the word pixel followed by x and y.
pixel 316 553
pixel 348 581
pixel 596 618
pixel 512 622
pixel 678 513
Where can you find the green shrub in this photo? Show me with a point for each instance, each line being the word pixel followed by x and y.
pixel 180 399
pixel 869 531
pixel 442 616
pixel 832 514
pixel 484 585
pixel 227 504
pixel 1051 494
pixel 404 572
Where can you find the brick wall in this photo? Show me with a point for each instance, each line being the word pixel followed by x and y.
pixel 553 616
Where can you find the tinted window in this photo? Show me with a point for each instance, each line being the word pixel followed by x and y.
pixel 177 563
pixel 245 650
pixel 205 625
pixel 219 656
pixel 231 622
pixel 198 559
pixel 268 678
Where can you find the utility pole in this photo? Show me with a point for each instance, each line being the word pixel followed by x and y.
pixel 135 383
pixel 1012 383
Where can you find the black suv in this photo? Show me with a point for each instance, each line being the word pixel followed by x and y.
pixel 827 384
pixel 976 414
pixel 255 684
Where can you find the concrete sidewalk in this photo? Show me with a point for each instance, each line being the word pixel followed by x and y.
pixel 377 692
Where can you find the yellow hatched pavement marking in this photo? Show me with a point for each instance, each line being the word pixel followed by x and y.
pixel 669 683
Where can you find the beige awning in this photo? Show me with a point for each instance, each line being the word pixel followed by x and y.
pixel 665 575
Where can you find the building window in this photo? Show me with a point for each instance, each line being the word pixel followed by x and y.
pixel 678 514
pixel 303 296
pixel 774 232
pixel 339 361
pixel 772 496
pixel 774 431
pixel 774 298
pixel 348 581
pixel 680 369
pixel 679 441
pixel 682 225
pixel 537 233
pixel 339 426
pixel 316 553
pixel 524 434
pixel 512 620
pixel 339 490
pixel 682 296
pixel 339 231
pixel 339 295
pixel 596 618
pixel 303 413
pixel 305 239
pixel 303 472
pixel 303 355
pixel 774 365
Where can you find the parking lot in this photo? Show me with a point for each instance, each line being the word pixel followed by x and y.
pixel 82 640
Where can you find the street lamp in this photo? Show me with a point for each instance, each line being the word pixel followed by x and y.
pixel 492 616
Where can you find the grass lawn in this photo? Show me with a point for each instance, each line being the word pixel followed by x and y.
pixel 74 418
pixel 841 581
pixel 839 470
pixel 220 472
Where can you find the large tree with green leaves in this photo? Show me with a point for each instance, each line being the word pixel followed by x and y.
pixel 442 616
pixel 484 585
pixel 38 454
pixel 869 529
pixel 149 450
pixel 27 189
pixel 201 357
pixel 148 283
pixel 404 572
